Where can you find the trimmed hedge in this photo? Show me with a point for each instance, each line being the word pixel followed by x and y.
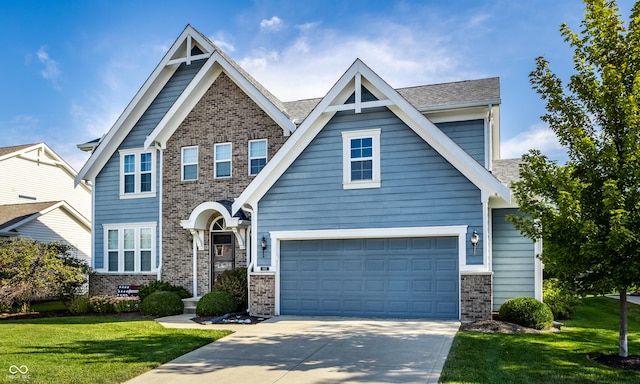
pixel 216 303
pixel 528 312
pixel 234 281
pixel 157 286
pixel 162 303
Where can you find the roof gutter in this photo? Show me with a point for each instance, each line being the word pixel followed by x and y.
pixel 464 104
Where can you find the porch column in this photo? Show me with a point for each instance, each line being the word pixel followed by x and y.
pixel 198 243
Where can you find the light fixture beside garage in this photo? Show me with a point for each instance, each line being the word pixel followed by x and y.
pixel 475 239
pixel 263 244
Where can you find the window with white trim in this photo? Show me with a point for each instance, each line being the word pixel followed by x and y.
pixel 137 177
pixel 189 163
pixel 257 156
pixel 129 248
pixel 222 160
pixel 361 159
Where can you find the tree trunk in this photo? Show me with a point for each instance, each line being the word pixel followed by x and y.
pixel 622 341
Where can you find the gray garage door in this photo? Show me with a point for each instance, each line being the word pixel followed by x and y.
pixel 399 277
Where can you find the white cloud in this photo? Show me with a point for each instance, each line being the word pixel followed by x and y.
pixel 51 71
pixel 272 24
pixel 539 137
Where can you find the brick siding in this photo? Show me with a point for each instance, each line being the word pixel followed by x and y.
pixel 475 297
pixel 107 284
pixel 224 114
pixel 262 294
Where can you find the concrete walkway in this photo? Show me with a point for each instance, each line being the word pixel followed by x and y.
pixel 291 349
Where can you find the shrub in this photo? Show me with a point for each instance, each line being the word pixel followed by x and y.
pixel 101 304
pixel 216 303
pixel 562 302
pixel 528 312
pixel 161 303
pixel 157 286
pixel 79 305
pixel 125 304
pixel 234 281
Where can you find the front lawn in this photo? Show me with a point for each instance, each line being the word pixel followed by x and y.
pixel 552 357
pixel 90 349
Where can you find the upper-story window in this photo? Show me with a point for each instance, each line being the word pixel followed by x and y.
pixel 137 176
pixel 361 159
pixel 257 156
pixel 189 163
pixel 222 160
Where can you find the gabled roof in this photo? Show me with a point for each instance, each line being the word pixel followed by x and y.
pixel 40 153
pixel 191 45
pixel 356 76
pixel 13 216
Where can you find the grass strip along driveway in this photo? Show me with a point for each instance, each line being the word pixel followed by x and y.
pixel 550 357
pixel 90 349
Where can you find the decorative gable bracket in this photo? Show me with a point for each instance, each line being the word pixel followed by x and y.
pixel 358 105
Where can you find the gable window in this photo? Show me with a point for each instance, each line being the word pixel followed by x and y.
pixel 137 177
pixel 222 160
pixel 129 248
pixel 361 159
pixel 189 163
pixel 257 156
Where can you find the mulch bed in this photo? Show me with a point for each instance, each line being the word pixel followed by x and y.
pixel 630 363
pixel 230 318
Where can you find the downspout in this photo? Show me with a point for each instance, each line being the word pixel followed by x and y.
pixel 250 259
pixel 488 147
pixel 159 250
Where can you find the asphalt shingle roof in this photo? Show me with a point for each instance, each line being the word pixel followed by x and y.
pixel 15 148
pixel 507 170
pixel 13 213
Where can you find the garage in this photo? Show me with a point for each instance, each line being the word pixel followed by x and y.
pixel 373 277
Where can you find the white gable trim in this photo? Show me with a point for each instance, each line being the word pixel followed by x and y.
pixel 139 104
pixel 322 113
pixel 62 205
pixel 197 88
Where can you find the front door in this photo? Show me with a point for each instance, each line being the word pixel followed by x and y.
pixel 222 253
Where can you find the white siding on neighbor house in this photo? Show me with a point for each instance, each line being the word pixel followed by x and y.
pixel 42 181
pixel 513 260
pixel 59 225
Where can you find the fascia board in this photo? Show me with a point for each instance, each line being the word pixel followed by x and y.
pixel 183 105
pixel 16 153
pixel 62 205
pixel 293 147
pixel 140 102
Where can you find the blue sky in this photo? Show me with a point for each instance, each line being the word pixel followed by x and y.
pixel 69 68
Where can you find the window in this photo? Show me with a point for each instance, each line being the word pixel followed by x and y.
pixel 189 163
pixel 137 176
pixel 222 160
pixel 361 159
pixel 257 156
pixel 129 248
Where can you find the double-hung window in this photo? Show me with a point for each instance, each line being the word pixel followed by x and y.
pixel 189 163
pixel 257 156
pixel 361 159
pixel 222 160
pixel 129 248
pixel 137 176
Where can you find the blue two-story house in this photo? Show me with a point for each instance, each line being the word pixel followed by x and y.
pixel 371 201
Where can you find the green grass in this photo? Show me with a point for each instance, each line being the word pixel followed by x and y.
pixel 91 349
pixel 553 357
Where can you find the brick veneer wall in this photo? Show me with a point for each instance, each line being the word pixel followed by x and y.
pixel 262 294
pixel 224 114
pixel 107 284
pixel 475 297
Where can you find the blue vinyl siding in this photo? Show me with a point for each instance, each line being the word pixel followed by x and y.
pixel 469 135
pixel 418 186
pixel 109 208
pixel 513 260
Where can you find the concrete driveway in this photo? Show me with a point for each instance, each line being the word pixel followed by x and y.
pixel 292 349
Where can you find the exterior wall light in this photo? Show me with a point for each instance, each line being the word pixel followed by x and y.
pixel 263 244
pixel 475 239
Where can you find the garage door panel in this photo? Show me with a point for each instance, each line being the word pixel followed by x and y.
pixel 410 277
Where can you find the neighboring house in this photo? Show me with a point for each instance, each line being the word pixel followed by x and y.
pixel 371 201
pixel 38 199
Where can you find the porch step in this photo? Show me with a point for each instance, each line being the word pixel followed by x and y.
pixel 190 305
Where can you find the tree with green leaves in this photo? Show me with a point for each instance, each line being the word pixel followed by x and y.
pixel 31 270
pixel 587 211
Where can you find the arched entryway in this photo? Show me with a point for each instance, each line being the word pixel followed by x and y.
pixel 224 233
